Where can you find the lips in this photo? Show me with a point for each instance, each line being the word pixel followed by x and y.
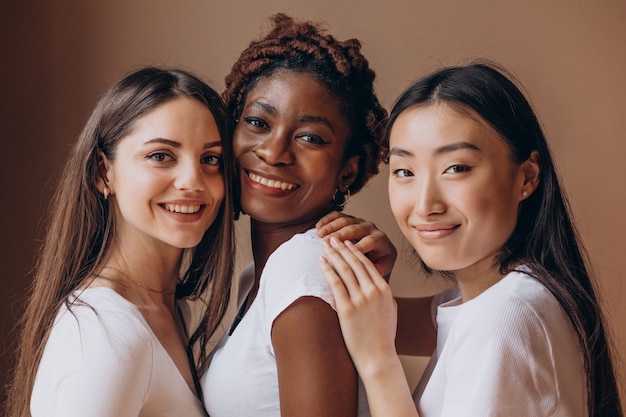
pixel 279 185
pixel 436 230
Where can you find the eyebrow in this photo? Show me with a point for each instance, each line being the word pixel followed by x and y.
pixel 455 147
pixel 316 119
pixel 267 107
pixel 439 151
pixel 175 144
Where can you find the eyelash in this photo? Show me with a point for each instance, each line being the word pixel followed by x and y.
pixel 166 157
pixel 158 156
pixel 218 159
pixel 454 169
pixel 314 139
pixel 457 169
pixel 258 123
pixel 402 173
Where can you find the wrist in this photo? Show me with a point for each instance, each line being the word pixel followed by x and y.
pixel 380 366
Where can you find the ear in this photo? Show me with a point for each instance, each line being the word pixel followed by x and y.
pixel 104 178
pixel 530 171
pixel 349 171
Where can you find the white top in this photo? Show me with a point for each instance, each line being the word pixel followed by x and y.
pixel 511 351
pixel 242 377
pixel 102 359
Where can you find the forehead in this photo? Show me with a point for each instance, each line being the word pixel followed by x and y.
pixel 432 126
pixel 180 118
pixel 303 88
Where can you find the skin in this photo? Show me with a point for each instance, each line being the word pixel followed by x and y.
pixel 167 165
pixel 454 190
pixel 292 133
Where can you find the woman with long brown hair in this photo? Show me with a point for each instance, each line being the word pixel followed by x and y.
pixel 141 220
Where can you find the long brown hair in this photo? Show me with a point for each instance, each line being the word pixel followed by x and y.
pixel 80 226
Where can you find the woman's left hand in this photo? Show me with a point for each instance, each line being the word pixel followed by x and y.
pixel 367 238
pixel 365 306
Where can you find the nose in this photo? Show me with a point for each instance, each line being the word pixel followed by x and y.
pixel 275 149
pixel 429 199
pixel 189 176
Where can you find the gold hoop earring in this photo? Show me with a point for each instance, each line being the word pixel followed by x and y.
pixel 340 198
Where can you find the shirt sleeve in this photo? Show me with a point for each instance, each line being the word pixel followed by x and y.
pixel 95 364
pixel 293 271
pixel 501 364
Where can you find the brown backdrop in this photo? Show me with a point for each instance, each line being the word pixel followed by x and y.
pixel 59 56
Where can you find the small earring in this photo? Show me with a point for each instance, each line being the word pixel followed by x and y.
pixel 106 191
pixel 341 197
pixel 524 193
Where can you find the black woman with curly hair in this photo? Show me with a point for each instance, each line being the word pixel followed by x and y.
pixel 307 134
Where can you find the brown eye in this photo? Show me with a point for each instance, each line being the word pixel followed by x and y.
pixel 311 138
pixel 212 160
pixel 256 122
pixel 402 173
pixel 159 156
pixel 457 169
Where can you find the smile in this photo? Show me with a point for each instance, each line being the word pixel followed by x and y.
pixel 285 186
pixel 180 208
pixel 436 231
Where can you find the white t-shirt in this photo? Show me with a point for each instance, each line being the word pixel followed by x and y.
pixel 102 359
pixel 242 377
pixel 511 352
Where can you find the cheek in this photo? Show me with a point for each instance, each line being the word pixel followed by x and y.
pixel 138 182
pixel 240 141
pixel 400 202
pixel 497 212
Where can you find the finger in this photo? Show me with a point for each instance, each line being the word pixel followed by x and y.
pixel 356 264
pixel 333 222
pixel 368 265
pixel 368 243
pixel 342 298
pixel 329 218
pixel 342 269
pixel 346 229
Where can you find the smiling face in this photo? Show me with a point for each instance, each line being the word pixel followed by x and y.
pixel 289 146
pixel 454 188
pixel 165 178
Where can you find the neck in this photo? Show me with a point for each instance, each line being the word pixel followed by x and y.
pixel 475 279
pixel 143 280
pixel 266 238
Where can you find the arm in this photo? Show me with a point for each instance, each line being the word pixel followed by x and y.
pixel 367 313
pixel 367 237
pixel 315 374
pixel 417 335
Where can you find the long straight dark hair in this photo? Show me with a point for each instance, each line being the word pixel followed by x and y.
pixel 545 237
pixel 81 224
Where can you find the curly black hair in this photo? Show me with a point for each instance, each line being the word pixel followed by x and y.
pixel 338 65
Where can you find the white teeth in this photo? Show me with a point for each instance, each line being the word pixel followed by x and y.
pixel 271 183
pixel 177 208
